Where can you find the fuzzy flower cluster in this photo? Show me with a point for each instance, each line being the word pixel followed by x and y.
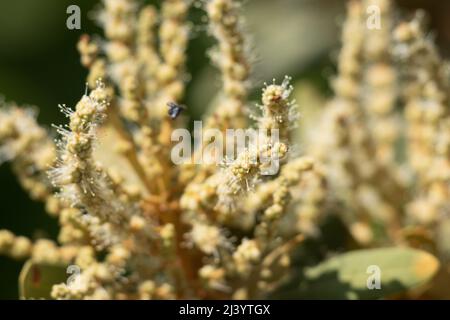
pixel 384 138
pixel 140 227
pixel 137 225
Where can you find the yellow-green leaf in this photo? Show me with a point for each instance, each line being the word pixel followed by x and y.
pixel 346 276
pixel 36 280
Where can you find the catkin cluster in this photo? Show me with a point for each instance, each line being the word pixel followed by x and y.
pixel 139 226
pixel 384 134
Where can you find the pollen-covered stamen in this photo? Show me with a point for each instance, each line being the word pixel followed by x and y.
pixel 67 111
pixel 278 112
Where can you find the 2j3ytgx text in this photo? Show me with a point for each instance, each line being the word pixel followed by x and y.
pixel 226 310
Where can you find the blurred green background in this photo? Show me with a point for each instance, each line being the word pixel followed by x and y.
pixel 39 66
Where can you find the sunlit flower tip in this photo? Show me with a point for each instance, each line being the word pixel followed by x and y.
pixel 275 95
pixel 206 238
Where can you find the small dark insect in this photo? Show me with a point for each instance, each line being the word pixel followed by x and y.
pixel 174 109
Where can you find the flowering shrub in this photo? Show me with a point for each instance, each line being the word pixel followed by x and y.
pixel 138 226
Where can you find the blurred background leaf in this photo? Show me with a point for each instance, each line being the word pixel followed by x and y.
pixel 345 276
pixel 36 280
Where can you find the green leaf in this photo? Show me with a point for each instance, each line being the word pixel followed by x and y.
pixel 36 280
pixel 346 276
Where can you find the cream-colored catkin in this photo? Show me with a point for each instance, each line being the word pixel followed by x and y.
pixel 345 85
pixel 89 52
pixel 380 82
pixel 267 230
pixel 258 260
pixel 427 98
pixel 230 56
pixel 121 68
pixel 228 186
pixel 366 184
pixel 132 106
pixel 16 247
pixel 425 92
pixel 146 50
pixel 308 188
pixel 170 78
pixel 83 183
pixel 111 222
pixel 312 203
pixel 72 232
pixel 31 151
pixel 129 53
pixel 119 19
pixel 46 251
pixel 132 103
pixel 173 38
pixel 335 133
pixel 98 280
pixel 34 154
pixel 40 251
pixel 278 112
pixel 273 195
pixel 253 161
